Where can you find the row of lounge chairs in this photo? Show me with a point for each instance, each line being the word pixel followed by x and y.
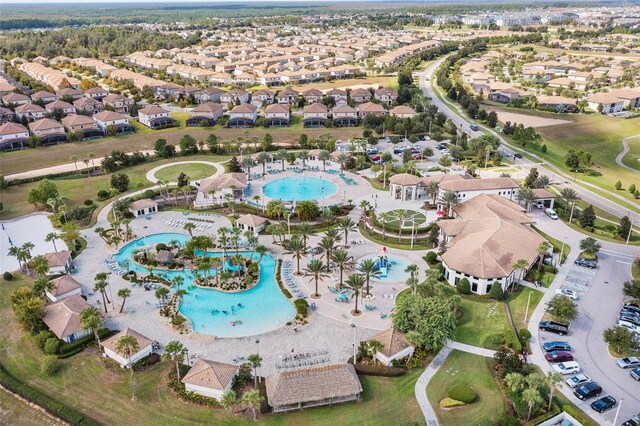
pixel 332 171
pixel 181 223
pixel 287 273
pixel 113 265
pixel 348 180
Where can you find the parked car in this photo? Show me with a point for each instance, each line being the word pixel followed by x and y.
pixel 635 373
pixel 538 204
pixel 577 380
pixel 568 367
pixel 551 213
pixel 440 146
pixel 398 150
pixel 630 319
pixel 426 138
pixel 556 346
pixel 629 312
pixel 588 390
pixel 629 362
pixel 632 307
pixel 628 325
pixel 517 155
pixel 587 263
pixel 603 404
pixel 566 292
pixel 417 156
pixel 633 421
pixel 558 356
pixel 554 327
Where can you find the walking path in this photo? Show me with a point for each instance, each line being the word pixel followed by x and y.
pixel 151 174
pixel 625 149
pixel 432 369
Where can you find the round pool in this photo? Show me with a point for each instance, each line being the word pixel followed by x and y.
pixel 299 188
pixel 260 309
pixel 395 271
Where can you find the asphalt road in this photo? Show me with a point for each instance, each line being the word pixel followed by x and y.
pixel 599 304
pixel 621 209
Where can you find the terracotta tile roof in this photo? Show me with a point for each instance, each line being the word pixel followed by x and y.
pixel 77 120
pixel 10 128
pixel 405 179
pixel 277 109
pixel 210 374
pixel 29 108
pixel 45 124
pixel 145 203
pixel 207 107
pixel 243 109
pixel 109 116
pixel 226 180
pixel 370 107
pixel 491 206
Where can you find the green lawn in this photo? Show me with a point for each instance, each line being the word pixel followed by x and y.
pixel 15 412
pixel 193 171
pixel 180 117
pixel 474 371
pixel 518 304
pixel 557 245
pixel 81 188
pixel 635 270
pixel 85 384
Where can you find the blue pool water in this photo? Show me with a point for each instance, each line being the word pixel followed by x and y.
pixel 264 308
pixel 299 188
pixel 396 272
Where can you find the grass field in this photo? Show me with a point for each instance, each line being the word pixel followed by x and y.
pixel 474 371
pixel 484 320
pixel 16 412
pixel 85 384
pixel 193 171
pixel 80 188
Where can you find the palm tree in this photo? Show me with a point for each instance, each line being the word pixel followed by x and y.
pixel 52 237
pixel 412 270
pixel 433 189
pixel 296 247
pixel 342 160
pixel 385 218
pixel 305 231
pixel 247 164
pixel 569 196
pixel 124 293
pixel 355 282
pixel 324 156
pixel 175 351
pixel 126 346
pixel 400 217
pixel 228 399
pixel 368 269
pixel 527 196
pixel 281 155
pixel 317 270
pixel 303 156
pixel 327 245
pixel 520 265
pixel 162 294
pixel 41 286
pixel 365 206
pixel 74 158
pixel 100 284
pixel 263 157
pixel 189 227
pixel 14 251
pixel 543 181
pixel 255 361
pixel 90 319
pixel 253 400
pixel 178 280
pixel 543 249
pixel 261 250
pixel 40 266
pixel 532 397
pixel 374 346
pixel 346 224
pixel 554 381
pixel 412 283
pixel 327 216
pixel 342 260
pixel 91 156
pixel 449 200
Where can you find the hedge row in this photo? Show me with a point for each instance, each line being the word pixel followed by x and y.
pixel 379 370
pixel 286 292
pixel 52 406
pixel 577 414
pixel 544 417
pixel 82 343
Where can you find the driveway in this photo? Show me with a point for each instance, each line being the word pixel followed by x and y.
pixel 599 303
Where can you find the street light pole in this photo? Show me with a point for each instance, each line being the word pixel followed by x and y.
pixel 526 313
pixel 354 343
pixel 629 234
pixel 257 353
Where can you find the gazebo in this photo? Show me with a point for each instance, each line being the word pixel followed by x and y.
pixel 404 186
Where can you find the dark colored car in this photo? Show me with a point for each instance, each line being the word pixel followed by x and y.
pixel 635 373
pixel 632 307
pixel 604 403
pixel 558 356
pixel 629 312
pixel 517 155
pixel 586 263
pixel 588 390
pixel 554 327
pixel 556 346
pixel 398 150
pixel 633 421
pixel 633 319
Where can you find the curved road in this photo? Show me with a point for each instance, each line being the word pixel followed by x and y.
pixel 455 114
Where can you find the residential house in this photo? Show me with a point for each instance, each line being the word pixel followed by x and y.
pixel 30 111
pixel 15 99
pixel 143 207
pixel 155 117
pixel 234 97
pixel 59 262
pixel 13 136
pixel 86 125
pixel 70 93
pixel 48 131
pixel 63 106
pixel 118 103
pixel 6 115
pixel 88 106
pixel 244 115
pixel 466 188
pixel 210 378
pixel 145 348
pixel 63 287
pixel 262 97
pixel 360 95
pixel 109 118
pixel 312 96
pixel 339 96
pixel 386 96
pixel 277 115
pixel 44 97
pixel 630 96
pixel 314 115
pixel 344 116
pixel 63 318
pixel 208 112
pixel 402 111
pixel 370 108
pixel 287 96
pixel 312 387
pixel 605 103
pixel 97 93
pixel 558 103
pixel 211 94
pixel 213 190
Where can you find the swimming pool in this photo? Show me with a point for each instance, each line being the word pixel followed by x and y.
pixel 299 188
pixel 396 272
pixel 260 309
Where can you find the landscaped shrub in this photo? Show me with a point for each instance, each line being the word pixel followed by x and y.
pixel 65 350
pixel 450 402
pixel 41 338
pixel 149 193
pixel 8 276
pixel 512 341
pixel 51 345
pixel 49 365
pixel 464 287
pixel 301 307
pixel 431 257
pixel 88 203
pixel 496 291
pixel 576 414
pixel 103 195
pixel 509 421
pixel 161 246
pixel 462 392
pixel 525 334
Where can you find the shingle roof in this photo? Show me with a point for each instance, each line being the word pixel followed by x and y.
pixel 312 384
pixel 405 179
pixel 44 124
pixel 227 180
pixel 314 108
pixel 109 116
pixel 393 341
pixel 63 317
pixel 251 220
pixel 153 109
pixel 207 107
pixel 111 343
pixel 210 374
pixel 57 259
pixel 277 109
pixel 243 109
pixel 64 284
pixel 10 128
pixel 479 184
pixel 77 120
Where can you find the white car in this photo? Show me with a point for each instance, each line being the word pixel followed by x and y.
pixel 538 204
pixel 551 213
pixel 567 367
pixel 630 326
pixel 575 381
pixel 569 293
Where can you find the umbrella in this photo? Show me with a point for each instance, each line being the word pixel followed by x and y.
pixel 440 213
